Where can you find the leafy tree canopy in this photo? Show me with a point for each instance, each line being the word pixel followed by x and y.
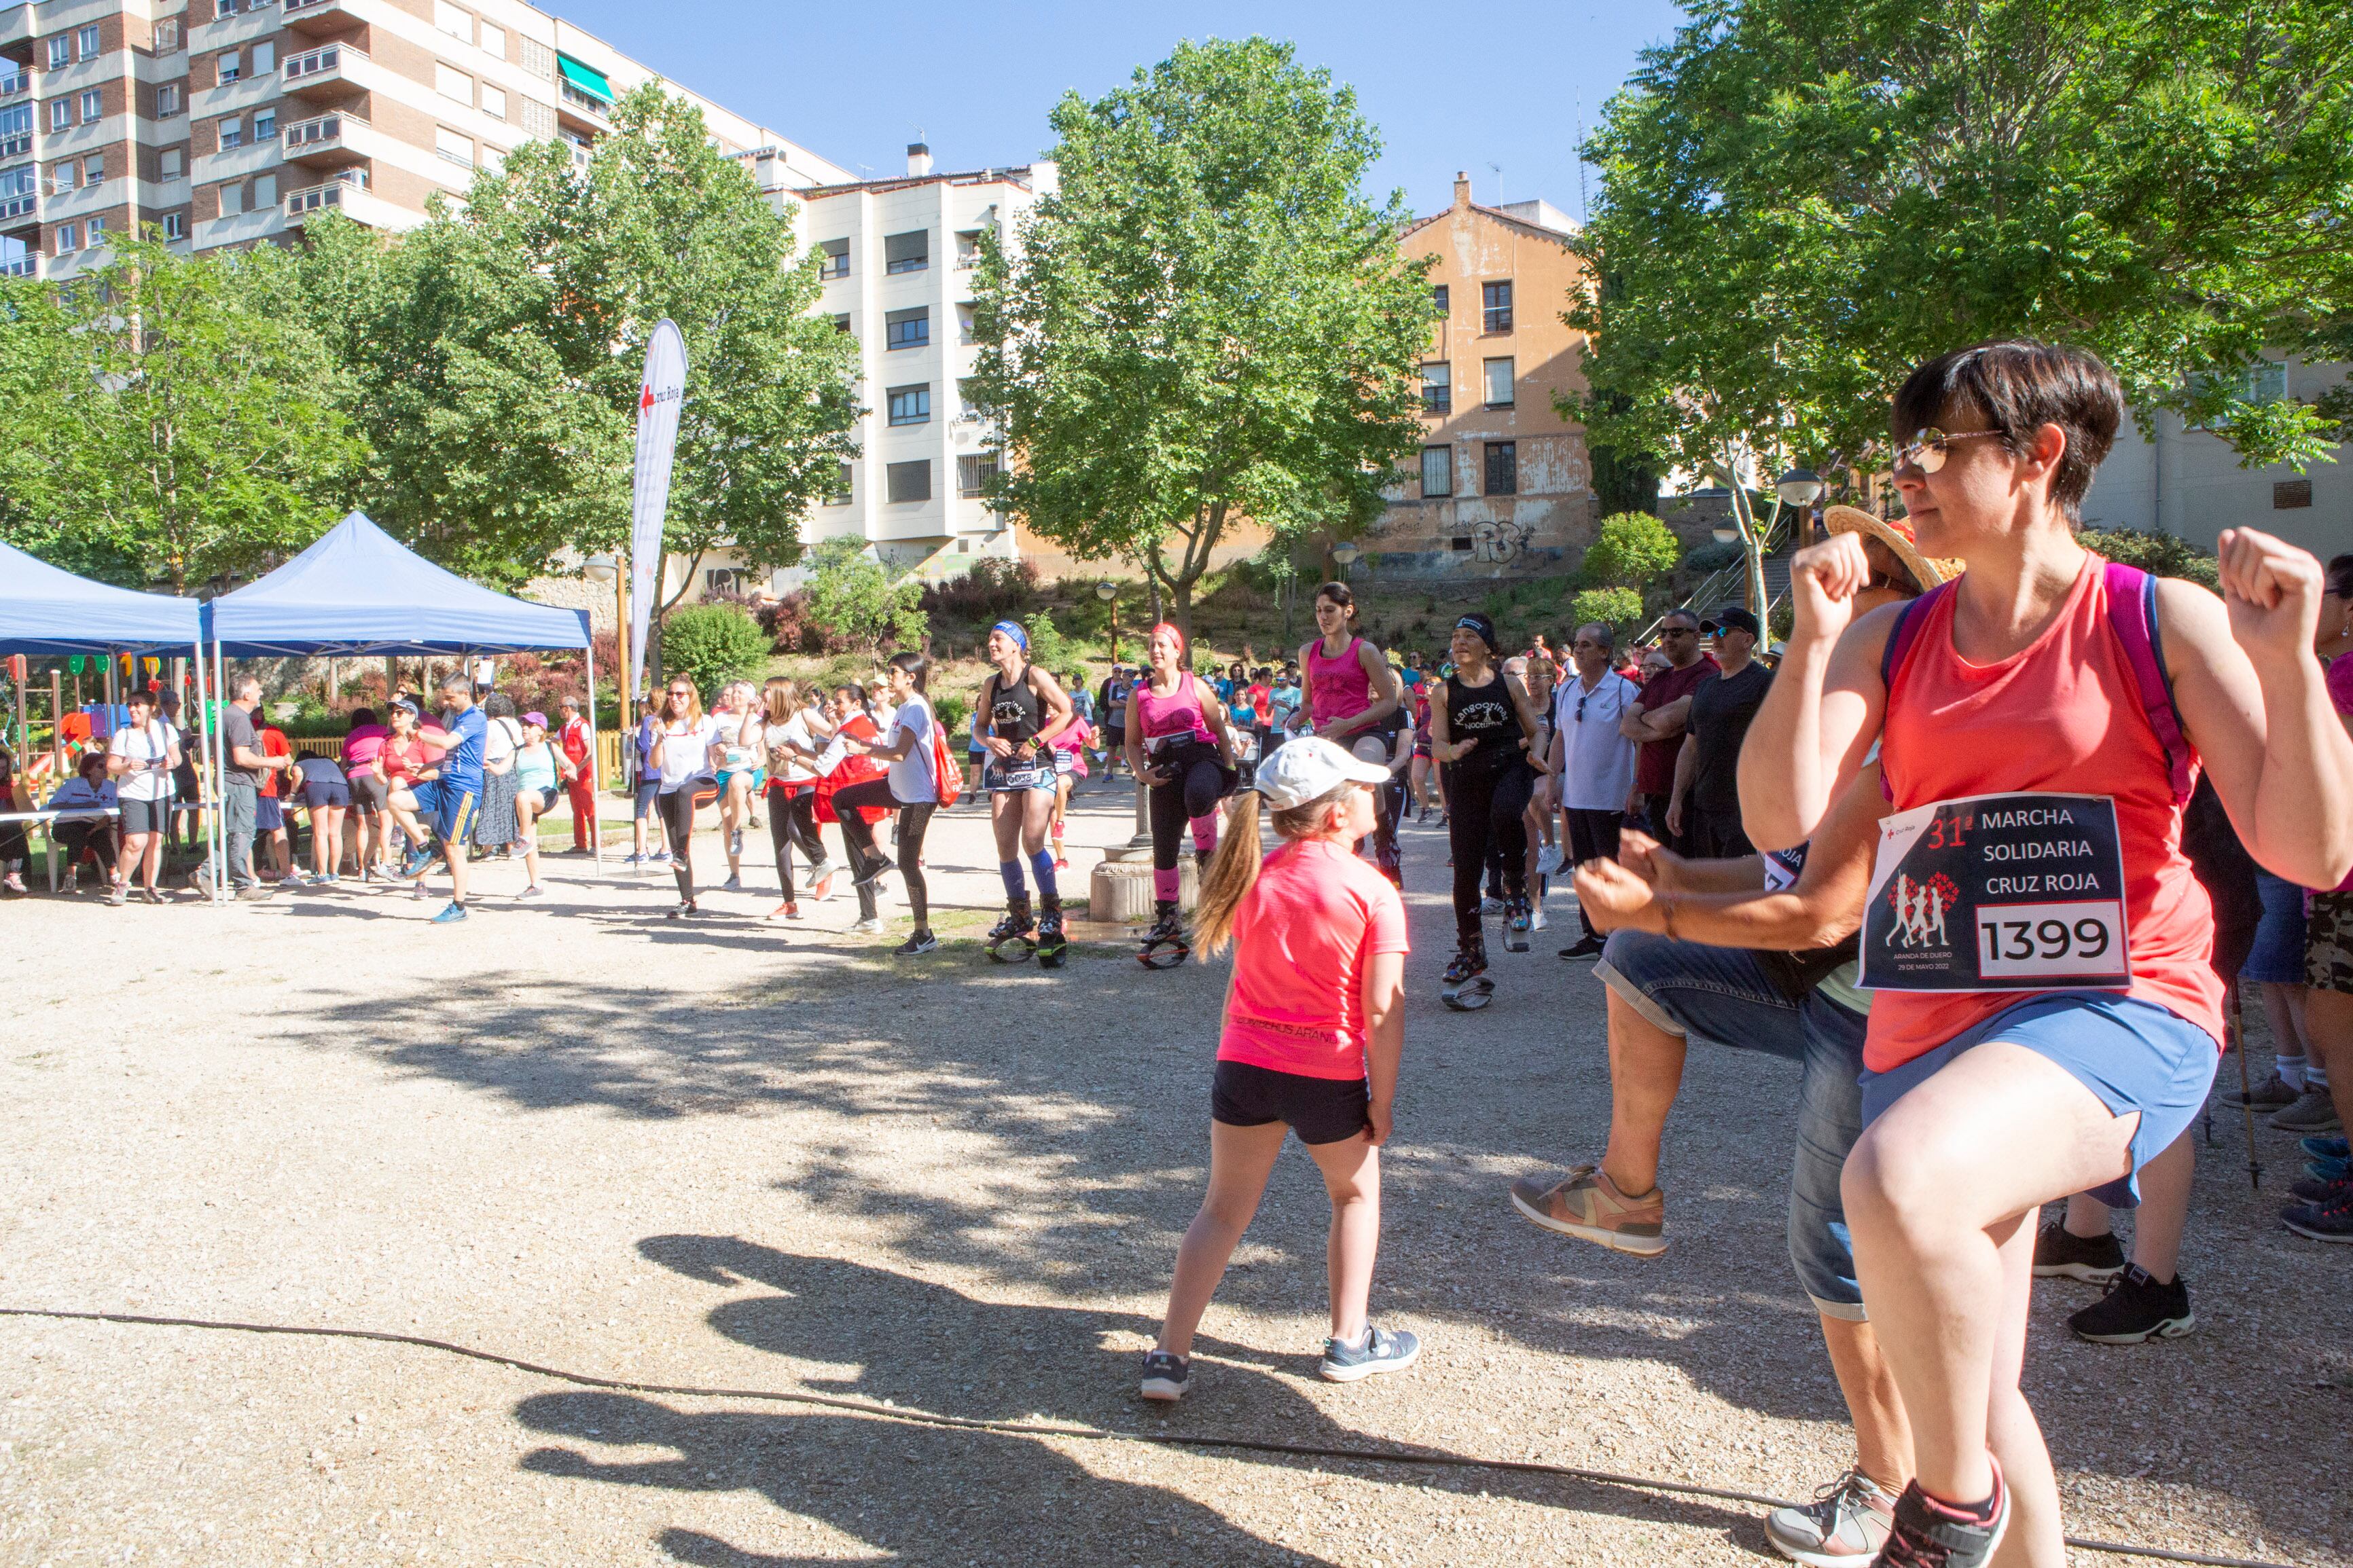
pixel 1206 321
pixel 850 593
pixel 499 350
pixel 1802 201
pixel 169 418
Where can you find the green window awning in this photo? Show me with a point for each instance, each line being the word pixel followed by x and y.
pixel 589 82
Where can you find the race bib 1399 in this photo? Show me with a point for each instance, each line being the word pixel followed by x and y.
pixel 1997 892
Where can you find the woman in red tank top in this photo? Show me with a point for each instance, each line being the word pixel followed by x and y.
pixel 2044 1021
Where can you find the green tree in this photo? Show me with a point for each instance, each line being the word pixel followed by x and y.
pixel 499 348
pixel 1617 608
pixel 850 593
pixel 170 417
pixel 712 645
pixel 1207 321
pixel 1800 202
pixel 1630 550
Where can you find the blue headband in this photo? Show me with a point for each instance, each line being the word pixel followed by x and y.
pixel 1013 630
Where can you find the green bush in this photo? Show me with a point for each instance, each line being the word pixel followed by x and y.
pixel 712 645
pixel 953 713
pixel 1631 549
pixel 2160 555
pixel 1713 556
pixel 849 593
pixel 1617 608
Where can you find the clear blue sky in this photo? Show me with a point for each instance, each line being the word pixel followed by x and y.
pixel 1450 86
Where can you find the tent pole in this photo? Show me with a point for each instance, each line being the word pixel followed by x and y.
pixel 595 784
pixel 202 734
pixel 220 785
pixel 57 723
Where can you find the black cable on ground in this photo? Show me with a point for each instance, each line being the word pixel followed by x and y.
pixel 1043 1429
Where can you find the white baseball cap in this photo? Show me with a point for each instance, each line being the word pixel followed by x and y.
pixel 1310 768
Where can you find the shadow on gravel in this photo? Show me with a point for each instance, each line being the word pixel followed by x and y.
pixel 1078 1099
pixel 999 1497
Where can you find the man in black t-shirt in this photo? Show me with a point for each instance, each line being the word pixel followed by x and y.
pixel 1706 805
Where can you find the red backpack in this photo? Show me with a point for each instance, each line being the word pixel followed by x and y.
pixel 947 773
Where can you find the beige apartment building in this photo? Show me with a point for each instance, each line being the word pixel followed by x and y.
pixel 1502 484
pixel 224 122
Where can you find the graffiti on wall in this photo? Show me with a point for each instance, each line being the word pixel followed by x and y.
pixel 1498 543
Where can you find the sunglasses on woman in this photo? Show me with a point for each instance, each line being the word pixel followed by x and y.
pixel 1926 451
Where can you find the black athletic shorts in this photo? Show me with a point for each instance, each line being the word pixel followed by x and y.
pixel 1320 1109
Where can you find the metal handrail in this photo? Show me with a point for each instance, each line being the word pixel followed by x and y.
pixel 1719 584
pixel 319 128
pixel 314 62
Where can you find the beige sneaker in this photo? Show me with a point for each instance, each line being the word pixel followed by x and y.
pixel 1588 1203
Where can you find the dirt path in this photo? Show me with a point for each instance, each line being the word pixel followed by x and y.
pixel 731 1155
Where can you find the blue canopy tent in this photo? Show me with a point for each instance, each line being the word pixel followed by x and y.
pixel 358 591
pixel 47 612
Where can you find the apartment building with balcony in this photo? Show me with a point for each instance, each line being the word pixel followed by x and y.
pixel 898 269
pixel 1502 484
pixel 224 122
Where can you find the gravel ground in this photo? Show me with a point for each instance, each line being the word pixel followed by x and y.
pixel 732 1155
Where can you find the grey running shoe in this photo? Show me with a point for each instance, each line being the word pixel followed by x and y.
pixel 1381 1350
pixel 2313 1111
pixel 1844 1527
pixel 922 942
pixel 1166 1376
pixel 2272 1093
pixel 867 926
pixel 1932 1534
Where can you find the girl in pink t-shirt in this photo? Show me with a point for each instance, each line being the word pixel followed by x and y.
pixel 1314 1025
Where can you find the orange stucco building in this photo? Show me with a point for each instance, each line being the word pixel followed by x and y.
pixel 1502 484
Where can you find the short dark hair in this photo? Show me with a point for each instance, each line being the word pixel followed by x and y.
pixel 915 664
pixel 1681 612
pixel 363 716
pixel 2018 385
pixel 2338 577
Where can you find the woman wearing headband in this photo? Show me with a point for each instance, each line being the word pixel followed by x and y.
pixel 1481 725
pixel 1027 709
pixel 1353 699
pixel 1180 744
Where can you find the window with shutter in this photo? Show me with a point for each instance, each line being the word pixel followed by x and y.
pixel 907 252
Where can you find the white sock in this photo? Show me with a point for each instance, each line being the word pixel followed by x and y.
pixel 2291 1071
pixel 2316 1076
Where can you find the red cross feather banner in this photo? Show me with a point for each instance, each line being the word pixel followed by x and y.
pixel 658 399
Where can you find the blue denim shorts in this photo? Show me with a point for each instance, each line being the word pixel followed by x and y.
pixel 1723 996
pixel 2277 957
pixel 2136 1056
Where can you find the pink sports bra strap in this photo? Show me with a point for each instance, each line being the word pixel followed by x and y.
pixel 2132 618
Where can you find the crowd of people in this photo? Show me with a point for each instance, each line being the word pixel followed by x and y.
pixel 1986 848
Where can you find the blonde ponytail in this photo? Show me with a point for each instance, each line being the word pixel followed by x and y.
pixel 1233 870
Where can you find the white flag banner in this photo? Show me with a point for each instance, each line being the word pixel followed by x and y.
pixel 659 398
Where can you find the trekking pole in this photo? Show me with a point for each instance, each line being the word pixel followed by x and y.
pixel 2246 1090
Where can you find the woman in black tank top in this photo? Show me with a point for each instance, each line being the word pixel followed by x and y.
pixel 1481 726
pixel 1027 709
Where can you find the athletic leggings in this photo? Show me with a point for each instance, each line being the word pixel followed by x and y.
pixel 1191 795
pixel 1388 800
pixel 677 807
pixel 914 818
pixel 1486 807
pixel 792 825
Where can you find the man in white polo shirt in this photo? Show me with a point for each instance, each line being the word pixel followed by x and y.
pixel 1591 759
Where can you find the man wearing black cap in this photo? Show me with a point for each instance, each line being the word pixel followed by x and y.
pixel 1706 805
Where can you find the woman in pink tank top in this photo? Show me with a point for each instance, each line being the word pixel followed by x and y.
pixel 1354 699
pixel 2043 1020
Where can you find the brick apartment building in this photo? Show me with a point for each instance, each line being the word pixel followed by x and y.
pixel 1502 484
pixel 224 122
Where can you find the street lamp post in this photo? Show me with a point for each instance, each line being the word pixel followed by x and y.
pixel 1799 487
pixel 1344 556
pixel 1108 592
